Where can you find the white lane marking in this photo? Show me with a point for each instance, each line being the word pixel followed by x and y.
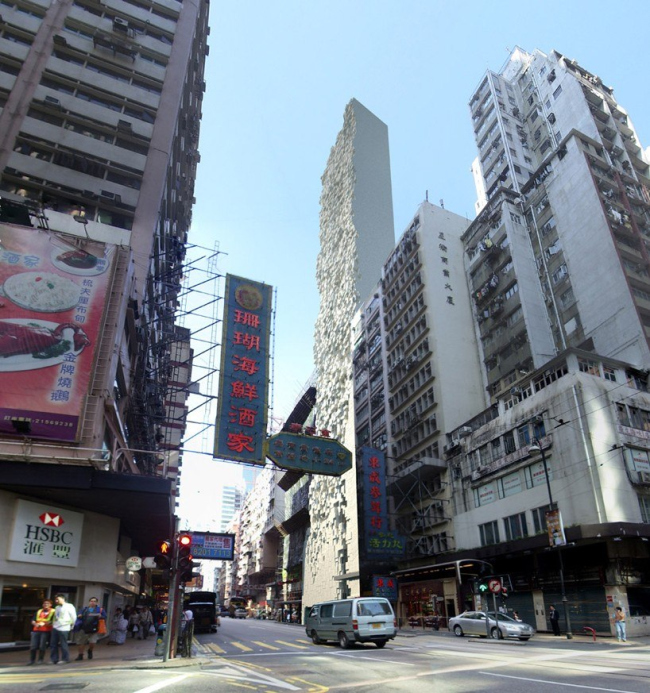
pixel 554 683
pixel 374 659
pixel 164 684
pixel 255 677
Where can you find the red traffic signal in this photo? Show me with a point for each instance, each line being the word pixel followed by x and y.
pixel 185 540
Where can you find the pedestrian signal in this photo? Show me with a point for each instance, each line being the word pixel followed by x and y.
pixel 163 557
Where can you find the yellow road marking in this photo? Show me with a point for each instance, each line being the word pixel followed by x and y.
pixel 315 687
pixel 307 642
pixel 291 644
pixel 264 644
pixel 216 649
pixel 244 648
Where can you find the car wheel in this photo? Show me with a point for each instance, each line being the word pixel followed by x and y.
pixel 458 631
pixel 344 641
pixel 496 634
pixel 315 639
pixel 380 643
pixel 524 639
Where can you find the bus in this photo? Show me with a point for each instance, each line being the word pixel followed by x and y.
pixel 204 607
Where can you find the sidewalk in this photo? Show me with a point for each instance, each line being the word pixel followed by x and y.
pixel 544 637
pixel 134 654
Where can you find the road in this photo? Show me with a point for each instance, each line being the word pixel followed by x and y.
pixel 264 656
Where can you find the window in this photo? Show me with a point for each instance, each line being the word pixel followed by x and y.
pixel 509 442
pixel 587 366
pixel 644 503
pixel 539 518
pixel 515 526
pixel 342 609
pixel 557 92
pixel 559 274
pixel 490 532
pixel 567 298
pixel 609 374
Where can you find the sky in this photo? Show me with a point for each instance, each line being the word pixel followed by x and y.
pixel 279 76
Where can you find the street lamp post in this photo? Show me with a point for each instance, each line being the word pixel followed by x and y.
pixel 534 447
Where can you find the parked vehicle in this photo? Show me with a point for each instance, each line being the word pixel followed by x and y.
pixel 474 623
pixel 241 613
pixel 365 619
pixel 204 607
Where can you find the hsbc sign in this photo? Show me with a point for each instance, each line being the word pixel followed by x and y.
pixel 45 534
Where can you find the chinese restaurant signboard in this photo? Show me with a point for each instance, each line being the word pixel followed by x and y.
pixel 384 587
pixel 380 540
pixel 208 546
pixel 51 309
pixel 45 534
pixel 311 454
pixel 244 378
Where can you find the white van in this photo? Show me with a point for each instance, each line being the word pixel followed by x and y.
pixel 364 619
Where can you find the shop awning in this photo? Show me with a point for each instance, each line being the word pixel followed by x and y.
pixel 143 504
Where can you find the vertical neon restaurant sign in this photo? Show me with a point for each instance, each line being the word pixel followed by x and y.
pixel 244 379
pixel 380 540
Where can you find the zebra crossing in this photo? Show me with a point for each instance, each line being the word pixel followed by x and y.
pixel 236 647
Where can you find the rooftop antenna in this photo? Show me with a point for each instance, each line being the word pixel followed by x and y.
pixel 426 195
pixel 442 203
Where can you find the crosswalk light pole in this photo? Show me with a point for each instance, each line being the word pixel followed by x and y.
pixel 536 446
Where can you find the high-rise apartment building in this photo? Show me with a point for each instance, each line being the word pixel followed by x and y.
pixel 563 187
pixel 549 482
pixel 356 237
pixel 99 123
pixel 232 498
pixel 417 374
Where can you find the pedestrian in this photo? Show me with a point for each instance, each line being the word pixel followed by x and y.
pixel 554 618
pixel 619 623
pixel 146 622
pixel 119 627
pixel 134 623
pixel 87 627
pixel 65 616
pixel 41 630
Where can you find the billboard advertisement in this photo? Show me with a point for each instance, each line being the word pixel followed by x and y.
pixel 244 379
pixel 52 296
pixel 208 546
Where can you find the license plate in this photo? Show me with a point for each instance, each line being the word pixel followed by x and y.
pixel 376 625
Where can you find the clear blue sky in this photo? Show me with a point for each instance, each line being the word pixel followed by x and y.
pixel 279 75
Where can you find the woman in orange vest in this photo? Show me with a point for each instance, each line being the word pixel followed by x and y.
pixel 41 629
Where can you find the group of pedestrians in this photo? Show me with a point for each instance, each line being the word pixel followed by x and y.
pixel 53 624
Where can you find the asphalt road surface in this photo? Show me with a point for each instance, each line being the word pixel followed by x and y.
pixel 250 655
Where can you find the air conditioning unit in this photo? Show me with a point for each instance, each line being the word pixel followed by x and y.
pixel 465 431
pixel 52 100
pixel 108 195
pixel 120 24
pixel 451 446
pixel 515 390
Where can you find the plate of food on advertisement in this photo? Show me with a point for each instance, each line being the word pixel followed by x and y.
pixel 42 292
pixel 79 262
pixel 27 344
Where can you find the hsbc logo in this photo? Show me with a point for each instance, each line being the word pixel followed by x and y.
pixel 51 519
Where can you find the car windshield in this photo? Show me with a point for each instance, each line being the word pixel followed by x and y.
pixel 502 617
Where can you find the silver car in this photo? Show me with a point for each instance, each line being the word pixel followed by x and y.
pixel 474 623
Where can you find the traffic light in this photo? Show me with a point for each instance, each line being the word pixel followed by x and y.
pixel 482 586
pixel 163 557
pixel 185 564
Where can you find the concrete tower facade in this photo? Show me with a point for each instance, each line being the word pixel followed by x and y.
pixel 356 237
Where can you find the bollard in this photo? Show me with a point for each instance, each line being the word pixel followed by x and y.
pixel 590 630
pixel 160 640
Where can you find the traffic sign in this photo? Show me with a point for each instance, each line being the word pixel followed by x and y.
pixel 494 585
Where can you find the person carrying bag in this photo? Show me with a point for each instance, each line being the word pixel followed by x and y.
pixel 90 621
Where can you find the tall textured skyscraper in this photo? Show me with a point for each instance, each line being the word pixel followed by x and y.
pixel 356 237
pixel 564 195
